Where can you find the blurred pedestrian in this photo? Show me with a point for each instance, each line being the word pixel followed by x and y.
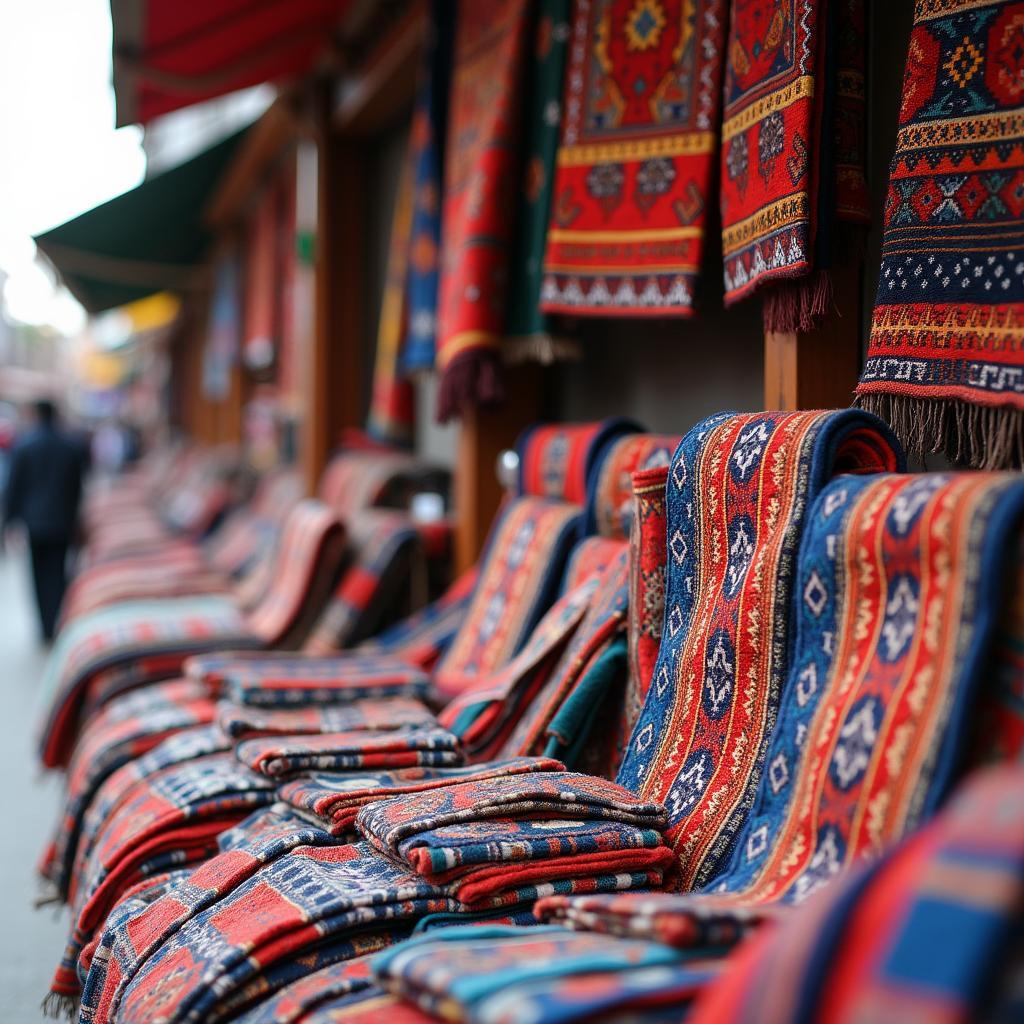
pixel 44 491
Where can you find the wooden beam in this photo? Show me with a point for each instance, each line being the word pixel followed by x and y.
pixel 819 369
pixel 483 435
pixel 381 87
pixel 334 365
pixel 264 143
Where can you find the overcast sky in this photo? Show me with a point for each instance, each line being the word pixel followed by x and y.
pixel 59 152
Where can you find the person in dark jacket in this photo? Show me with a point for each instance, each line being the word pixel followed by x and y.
pixel 44 492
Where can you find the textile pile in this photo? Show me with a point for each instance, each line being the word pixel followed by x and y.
pixel 827 628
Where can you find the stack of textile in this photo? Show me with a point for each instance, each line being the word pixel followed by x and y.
pixel 270 705
pixel 130 644
pixel 176 567
pixel 899 581
pixel 285 903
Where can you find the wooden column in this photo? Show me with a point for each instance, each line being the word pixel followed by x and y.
pixel 483 434
pixel 334 365
pixel 819 369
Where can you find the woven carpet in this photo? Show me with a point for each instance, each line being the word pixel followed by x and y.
pixel 737 498
pixel 945 360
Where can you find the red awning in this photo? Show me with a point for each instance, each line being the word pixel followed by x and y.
pixel 169 54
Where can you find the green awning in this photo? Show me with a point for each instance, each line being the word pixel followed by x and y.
pixel 143 241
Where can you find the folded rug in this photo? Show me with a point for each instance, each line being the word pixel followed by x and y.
pixel 605 618
pixel 456 973
pixel 336 798
pixel 287 682
pixel 944 362
pixel 737 497
pixel 472 714
pixel 931 933
pixel 479 859
pixel 535 796
pixel 907 576
pixel 296 902
pixel 113 638
pixel 183 747
pixel 685 920
pixel 124 730
pixel 276 756
pixel 172 817
pixel 131 935
pixel 240 722
pixel 295 1001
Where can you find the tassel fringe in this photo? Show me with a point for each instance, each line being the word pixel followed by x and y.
pixel 57 1006
pixel 541 348
pixel 979 436
pixel 472 379
pixel 48 895
pixel 800 305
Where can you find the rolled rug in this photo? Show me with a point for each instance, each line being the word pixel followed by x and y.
pixel 534 796
pixel 335 798
pixel 277 756
pixel 738 494
pixel 241 722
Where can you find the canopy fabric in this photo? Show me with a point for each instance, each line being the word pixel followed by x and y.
pixel 144 241
pixel 169 54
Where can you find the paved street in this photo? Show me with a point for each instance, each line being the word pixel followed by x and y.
pixel 30 940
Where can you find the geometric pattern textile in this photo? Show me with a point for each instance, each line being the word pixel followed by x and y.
pixel 486 973
pixel 241 723
pixel 636 160
pixel 335 798
pixel 520 568
pixel 945 359
pixel 926 935
pixel 123 731
pixel 276 756
pixel 738 493
pixel 792 150
pixel 899 586
pixel 121 634
pixel 535 796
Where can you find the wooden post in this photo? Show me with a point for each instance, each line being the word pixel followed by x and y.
pixel 483 434
pixel 334 366
pixel 818 370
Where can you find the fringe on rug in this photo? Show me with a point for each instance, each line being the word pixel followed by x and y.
pixel 48 895
pixel 799 305
pixel 472 379
pixel 56 1005
pixel 979 436
pixel 541 348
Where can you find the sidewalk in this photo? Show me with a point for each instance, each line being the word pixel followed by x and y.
pixel 31 941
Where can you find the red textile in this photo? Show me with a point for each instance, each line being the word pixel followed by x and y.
pixel 636 162
pixel 480 175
